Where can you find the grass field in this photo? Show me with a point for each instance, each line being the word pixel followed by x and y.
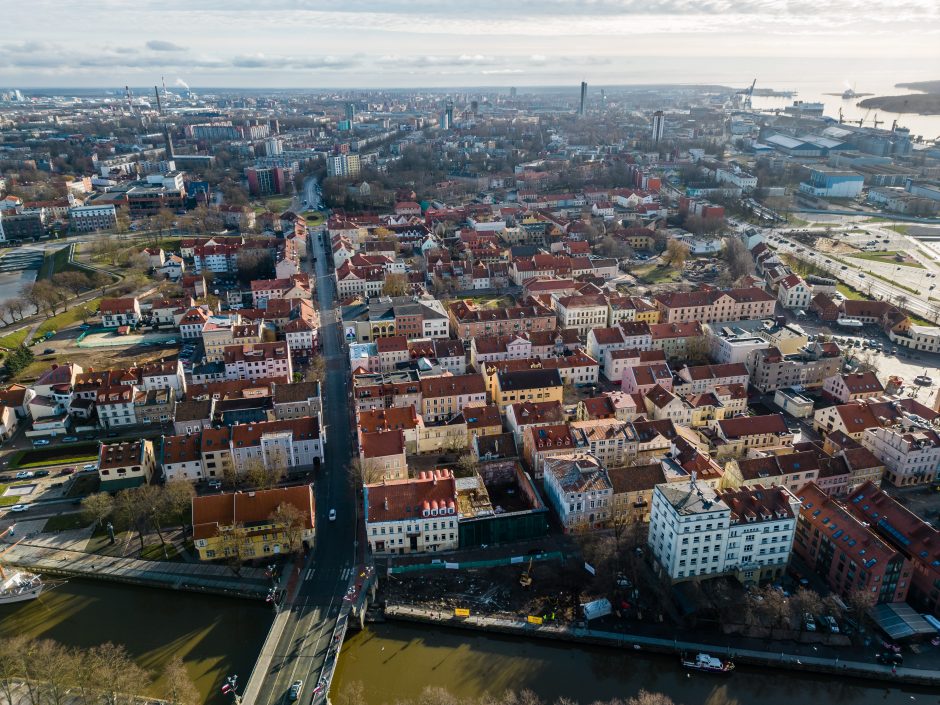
pixel 314 218
pixel 850 293
pixel 154 552
pixel 654 274
pixel 7 501
pixel 887 257
pixel 65 522
pixel 68 318
pixel 60 455
pixel 14 340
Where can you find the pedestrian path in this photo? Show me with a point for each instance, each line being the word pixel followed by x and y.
pixel 770 659
pixel 42 555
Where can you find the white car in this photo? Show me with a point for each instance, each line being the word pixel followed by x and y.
pixel 23 475
pixel 90 467
pixel 332 515
pixel 19 507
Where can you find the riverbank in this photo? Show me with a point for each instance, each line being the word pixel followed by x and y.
pixel 765 659
pixel 215 636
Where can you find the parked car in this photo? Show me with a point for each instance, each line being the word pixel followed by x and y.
pixel 41 442
pixel 41 473
pixel 332 515
pixel 49 351
pixel 70 439
pixel 215 484
pixel 91 467
pixel 19 508
pixel 809 623
pixel 830 623
pixel 23 475
pixel 66 471
pixel 890 658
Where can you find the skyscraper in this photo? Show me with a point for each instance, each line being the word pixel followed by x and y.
pixel 512 93
pixel 350 111
pixel 659 126
pixel 583 97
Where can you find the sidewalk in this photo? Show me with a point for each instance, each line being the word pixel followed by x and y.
pixel 42 555
pixel 772 659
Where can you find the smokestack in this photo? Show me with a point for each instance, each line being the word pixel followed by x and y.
pixel 156 92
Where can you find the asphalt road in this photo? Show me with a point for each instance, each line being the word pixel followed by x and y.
pixel 303 646
pixel 857 273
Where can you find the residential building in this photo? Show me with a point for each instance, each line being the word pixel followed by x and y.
pixel 579 490
pixel 790 470
pixel 744 434
pixel 542 442
pixel 296 400
pixel 416 515
pixel 793 293
pixel 538 385
pixel 181 457
pixel 772 370
pixel 632 492
pixel 906 532
pixel 854 386
pixel 444 397
pixel 86 219
pixel 382 455
pixel 582 312
pixel 909 450
pixel 277 447
pixel 854 418
pixel 847 552
pixel 468 321
pixel 708 304
pixel 119 312
pixel 261 534
pixel 123 465
pixel 257 360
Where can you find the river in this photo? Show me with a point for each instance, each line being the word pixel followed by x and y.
pixel 215 636
pixel 395 661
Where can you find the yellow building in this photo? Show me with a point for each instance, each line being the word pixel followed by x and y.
pixel 527 385
pixel 245 525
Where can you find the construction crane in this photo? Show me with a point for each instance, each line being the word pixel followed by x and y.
pixel 894 125
pixel 877 122
pixel 840 116
pixel 749 94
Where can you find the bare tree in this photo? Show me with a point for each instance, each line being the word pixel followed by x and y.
pixel 644 697
pixel 677 252
pixel 804 602
pixel 291 521
pixel 120 678
pixel 12 667
pixel 395 284
pixel 178 687
pixel 467 465
pixel 132 509
pixel 97 507
pixel 234 542
pixel 56 666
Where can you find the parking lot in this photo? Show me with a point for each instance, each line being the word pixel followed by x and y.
pixel 109 338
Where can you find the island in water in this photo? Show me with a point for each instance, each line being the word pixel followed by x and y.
pixel 925 103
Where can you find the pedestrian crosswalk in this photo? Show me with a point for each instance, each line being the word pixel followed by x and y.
pixel 345 574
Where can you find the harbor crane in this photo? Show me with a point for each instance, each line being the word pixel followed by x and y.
pixel 749 94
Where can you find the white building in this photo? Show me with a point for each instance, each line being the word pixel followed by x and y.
pixel 86 219
pixel 257 361
pixel 695 532
pixel 280 446
pixel 115 406
pixel 910 452
pixel 794 293
pixel 415 515
pixel 579 489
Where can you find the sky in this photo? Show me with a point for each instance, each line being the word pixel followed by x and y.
pixel 430 43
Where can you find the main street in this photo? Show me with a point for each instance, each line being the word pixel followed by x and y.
pixel 305 640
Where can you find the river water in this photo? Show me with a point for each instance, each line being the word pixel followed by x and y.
pixel 215 636
pixel 396 661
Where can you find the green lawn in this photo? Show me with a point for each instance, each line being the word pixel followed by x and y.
pixel 14 340
pixel 654 274
pixel 67 318
pixel 7 501
pixel 59 455
pixel 887 257
pixel 314 218
pixel 154 552
pixel 902 229
pixel 850 293
pixel 65 522
pixel 278 205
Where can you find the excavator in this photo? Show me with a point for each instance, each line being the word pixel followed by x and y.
pixel 525 580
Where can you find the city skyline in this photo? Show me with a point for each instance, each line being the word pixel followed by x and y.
pixel 408 44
